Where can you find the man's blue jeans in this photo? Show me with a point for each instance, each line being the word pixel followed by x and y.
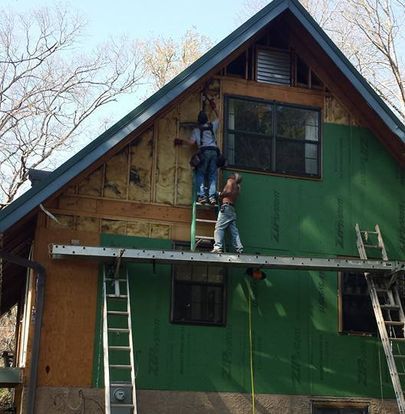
pixel 207 169
pixel 227 219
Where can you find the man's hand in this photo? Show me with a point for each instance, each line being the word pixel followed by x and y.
pixel 178 141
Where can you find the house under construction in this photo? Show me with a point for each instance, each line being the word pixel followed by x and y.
pixel 121 307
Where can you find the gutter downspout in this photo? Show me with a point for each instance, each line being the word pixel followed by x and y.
pixel 39 303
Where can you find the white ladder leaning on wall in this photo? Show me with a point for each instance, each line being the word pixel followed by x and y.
pixel 388 311
pixel 119 358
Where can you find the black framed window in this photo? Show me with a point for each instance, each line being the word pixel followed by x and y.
pixel 356 310
pixel 272 137
pixel 333 409
pixel 198 294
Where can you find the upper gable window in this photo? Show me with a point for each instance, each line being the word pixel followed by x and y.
pixel 272 137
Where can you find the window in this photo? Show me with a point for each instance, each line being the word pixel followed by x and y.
pixel 198 294
pixel 356 311
pixel 303 72
pixel 304 76
pixel 238 66
pixel 271 137
pixel 325 409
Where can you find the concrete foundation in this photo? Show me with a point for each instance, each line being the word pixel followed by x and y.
pixel 91 401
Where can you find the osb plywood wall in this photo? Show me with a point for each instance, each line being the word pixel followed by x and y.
pixel 336 113
pixel 151 171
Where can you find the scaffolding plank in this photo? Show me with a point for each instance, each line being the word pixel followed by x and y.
pixel 225 259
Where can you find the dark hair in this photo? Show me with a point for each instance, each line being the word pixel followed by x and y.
pixel 202 118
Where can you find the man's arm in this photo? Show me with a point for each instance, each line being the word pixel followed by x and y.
pixel 188 141
pixel 214 107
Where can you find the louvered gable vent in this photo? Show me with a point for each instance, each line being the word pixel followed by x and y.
pixel 273 66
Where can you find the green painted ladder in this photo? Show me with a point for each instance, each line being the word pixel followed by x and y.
pixel 119 365
pixel 196 239
pixel 388 311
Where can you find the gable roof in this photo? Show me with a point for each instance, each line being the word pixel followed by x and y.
pixel 151 106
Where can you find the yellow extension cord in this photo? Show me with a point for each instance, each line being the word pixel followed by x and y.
pixel 252 377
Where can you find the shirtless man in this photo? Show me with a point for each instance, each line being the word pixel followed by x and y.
pixel 227 215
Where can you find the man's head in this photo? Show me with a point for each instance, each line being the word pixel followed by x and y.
pixel 202 118
pixel 237 177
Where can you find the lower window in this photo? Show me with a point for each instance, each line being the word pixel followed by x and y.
pixel 339 408
pixel 198 294
pixel 356 311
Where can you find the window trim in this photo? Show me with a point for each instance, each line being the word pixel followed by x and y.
pixel 224 296
pixel 273 137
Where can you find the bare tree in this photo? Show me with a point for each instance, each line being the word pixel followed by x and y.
pixel 166 57
pixel 376 47
pixel 7 352
pixel 49 89
pixel 370 33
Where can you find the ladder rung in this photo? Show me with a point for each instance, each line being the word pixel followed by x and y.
pixel 394 323
pixel 123 313
pixel 398 356
pixel 381 290
pixel 372 246
pixel 205 237
pixel 401 373
pixel 206 221
pixel 112 279
pixel 118 329
pixel 116 296
pixel 120 366
pixel 389 306
pixel 369 231
pixel 122 384
pixel 208 205
pixel 119 348
pixel 397 339
pixel 122 405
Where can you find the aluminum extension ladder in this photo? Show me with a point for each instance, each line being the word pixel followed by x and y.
pixel 119 365
pixel 388 311
pixel 197 208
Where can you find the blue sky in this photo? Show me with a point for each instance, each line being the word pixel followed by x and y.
pixel 141 19
pixel 214 18
pixel 136 20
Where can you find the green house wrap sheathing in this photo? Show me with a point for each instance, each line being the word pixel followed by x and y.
pixel 296 345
